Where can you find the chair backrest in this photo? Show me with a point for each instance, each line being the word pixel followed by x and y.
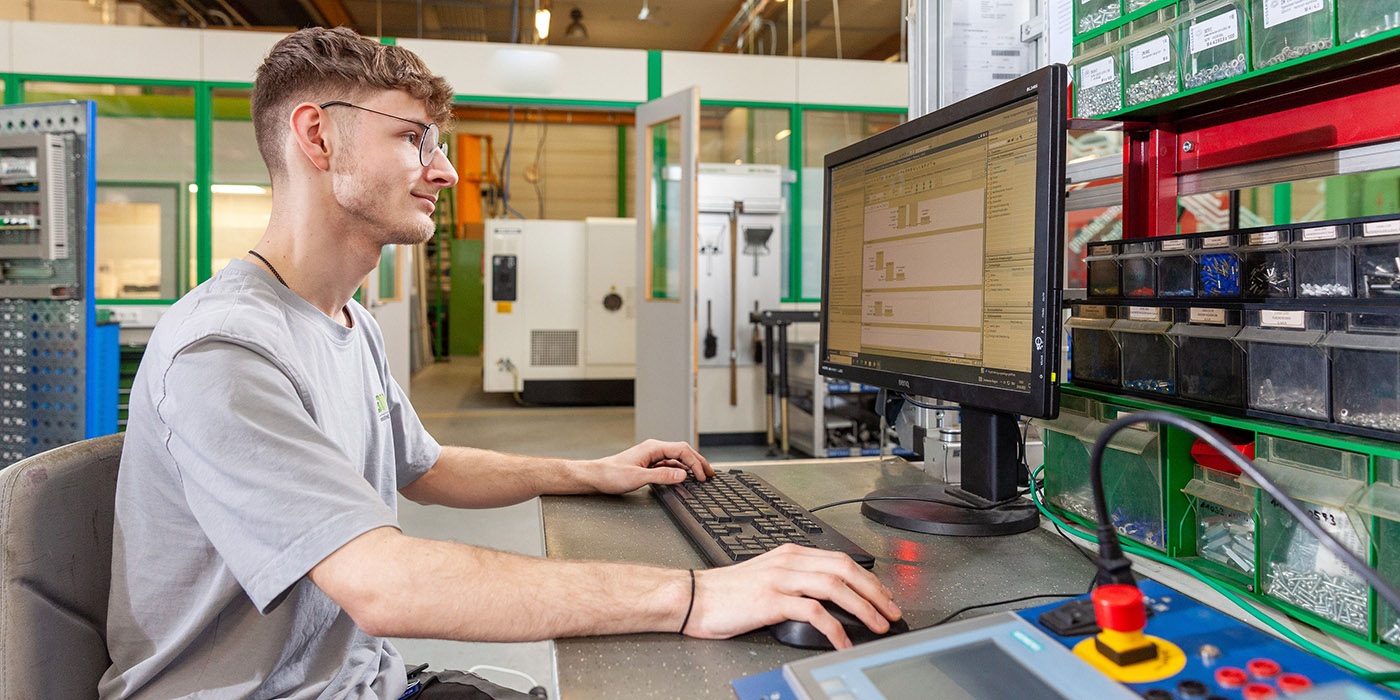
pixel 56 568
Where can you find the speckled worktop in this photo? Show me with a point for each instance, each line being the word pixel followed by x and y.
pixel 931 576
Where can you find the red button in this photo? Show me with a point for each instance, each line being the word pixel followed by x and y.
pixel 1292 683
pixel 1119 607
pixel 1259 691
pixel 1263 668
pixel 1231 677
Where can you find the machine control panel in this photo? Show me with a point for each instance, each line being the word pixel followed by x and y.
pixel 503 276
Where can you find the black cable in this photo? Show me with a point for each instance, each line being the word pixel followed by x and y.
pixel 1005 602
pixel 954 504
pixel 931 407
pixel 1115 567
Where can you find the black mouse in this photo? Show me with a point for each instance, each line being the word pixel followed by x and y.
pixel 803 635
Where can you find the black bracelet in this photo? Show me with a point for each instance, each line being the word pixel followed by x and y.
pixel 690 607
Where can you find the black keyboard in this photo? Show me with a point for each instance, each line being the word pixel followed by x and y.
pixel 736 516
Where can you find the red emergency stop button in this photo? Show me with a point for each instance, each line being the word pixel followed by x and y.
pixel 1120 608
pixel 1259 691
pixel 1292 683
pixel 1231 677
pixel 1263 668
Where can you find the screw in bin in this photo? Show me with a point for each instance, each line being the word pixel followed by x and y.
pixel 1188 146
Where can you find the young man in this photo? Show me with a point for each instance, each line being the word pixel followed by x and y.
pixel 256 551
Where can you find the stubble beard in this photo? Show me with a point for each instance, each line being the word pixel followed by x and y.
pixel 352 191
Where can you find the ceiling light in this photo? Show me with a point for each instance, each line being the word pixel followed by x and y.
pixel 645 13
pixel 231 189
pixel 542 23
pixel 782 134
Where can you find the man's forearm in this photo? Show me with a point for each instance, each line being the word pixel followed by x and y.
pixel 466 477
pixel 445 590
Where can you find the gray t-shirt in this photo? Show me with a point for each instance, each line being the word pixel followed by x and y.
pixel 262 437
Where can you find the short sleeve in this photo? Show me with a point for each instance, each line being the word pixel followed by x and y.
pixel 270 490
pixel 415 450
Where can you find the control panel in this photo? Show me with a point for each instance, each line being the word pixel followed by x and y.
pixel 1212 657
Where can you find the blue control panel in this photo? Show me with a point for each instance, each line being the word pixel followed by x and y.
pixel 1226 660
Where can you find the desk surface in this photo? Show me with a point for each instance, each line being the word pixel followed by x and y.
pixel 931 576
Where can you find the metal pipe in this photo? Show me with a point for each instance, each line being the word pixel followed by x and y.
pixel 783 381
pixel 768 381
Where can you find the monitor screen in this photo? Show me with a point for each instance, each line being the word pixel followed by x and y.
pixel 941 251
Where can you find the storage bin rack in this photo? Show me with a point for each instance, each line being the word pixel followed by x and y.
pixel 1219 131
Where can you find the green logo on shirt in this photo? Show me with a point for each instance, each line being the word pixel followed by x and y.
pixel 381 404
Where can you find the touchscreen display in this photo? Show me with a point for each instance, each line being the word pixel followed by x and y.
pixel 973 672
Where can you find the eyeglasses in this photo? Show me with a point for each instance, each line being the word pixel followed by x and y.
pixel 431 133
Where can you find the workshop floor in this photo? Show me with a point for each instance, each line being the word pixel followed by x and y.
pixel 449 401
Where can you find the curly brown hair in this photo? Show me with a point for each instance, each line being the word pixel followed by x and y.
pixel 318 64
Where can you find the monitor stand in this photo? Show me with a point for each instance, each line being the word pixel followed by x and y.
pixel 990 470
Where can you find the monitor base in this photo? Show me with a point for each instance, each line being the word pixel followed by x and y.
pixel 938 519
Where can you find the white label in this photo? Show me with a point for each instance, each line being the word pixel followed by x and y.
pixel 1335 523
pixel 1320 233
pixel 1215 316
pixel 1215 31
pixel 1097 73
pixel 1277 12
pixel 1144 313
pixel 1174 245
pixel 1101 250
pixel 1282 319
pixel 1150 55
pixel 1216 242
pixel 1263 238
pixel 1381 228
pixel 1092 312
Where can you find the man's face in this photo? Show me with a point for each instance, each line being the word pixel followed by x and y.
pixel 377 177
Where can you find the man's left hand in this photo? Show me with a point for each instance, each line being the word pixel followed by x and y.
pixel 651 462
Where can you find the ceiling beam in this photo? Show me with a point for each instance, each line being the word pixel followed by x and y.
pixel 334 13
pixel 889 46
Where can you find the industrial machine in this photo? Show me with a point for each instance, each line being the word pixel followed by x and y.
pixel 58 367
pixel 560 321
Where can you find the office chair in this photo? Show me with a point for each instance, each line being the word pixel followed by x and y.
pixel 55 569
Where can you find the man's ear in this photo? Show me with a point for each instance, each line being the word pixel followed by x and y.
pixel 311 133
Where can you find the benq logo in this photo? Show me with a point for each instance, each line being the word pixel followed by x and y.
pixel 904 383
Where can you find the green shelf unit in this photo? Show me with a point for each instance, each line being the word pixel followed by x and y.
pixel 1375 51
pixel 1180 531
pixel 1124 20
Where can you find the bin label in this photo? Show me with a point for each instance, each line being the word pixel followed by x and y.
pixel 1101 250
pixel 1220 29
pixel 1097 73
pixel 1381 228
pixel 1282 319
pixel 1092 312
pixel 1150 54
pixel 1144 313
pixel 1179 244
pixel 1277 12
pixel 1214 316
pixel 1263 238
pixel 1216 242
pixel 1320 233
pixel 1335 522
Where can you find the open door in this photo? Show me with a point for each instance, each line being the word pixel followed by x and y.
pixel 668 133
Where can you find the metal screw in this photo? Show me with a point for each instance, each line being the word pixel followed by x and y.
pixel 1187 146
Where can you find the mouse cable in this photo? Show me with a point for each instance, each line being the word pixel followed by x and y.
pixel 1004 602
pixel 954 504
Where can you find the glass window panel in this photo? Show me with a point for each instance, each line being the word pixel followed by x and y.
pixel 825 131
pixel 145 156
pixel 1319 199
pixel 136 239
pixel 663 210
pixel 241 191
pixel 744 135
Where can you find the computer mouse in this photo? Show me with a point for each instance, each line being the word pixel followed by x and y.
pixel 804 635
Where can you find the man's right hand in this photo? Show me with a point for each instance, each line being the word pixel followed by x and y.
pixel 788 583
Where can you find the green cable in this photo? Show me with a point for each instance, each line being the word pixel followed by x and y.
pixel 1378 677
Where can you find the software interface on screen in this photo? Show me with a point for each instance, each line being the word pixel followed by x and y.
pixel 932 247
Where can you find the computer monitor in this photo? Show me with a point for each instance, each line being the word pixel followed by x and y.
pixel 940 279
